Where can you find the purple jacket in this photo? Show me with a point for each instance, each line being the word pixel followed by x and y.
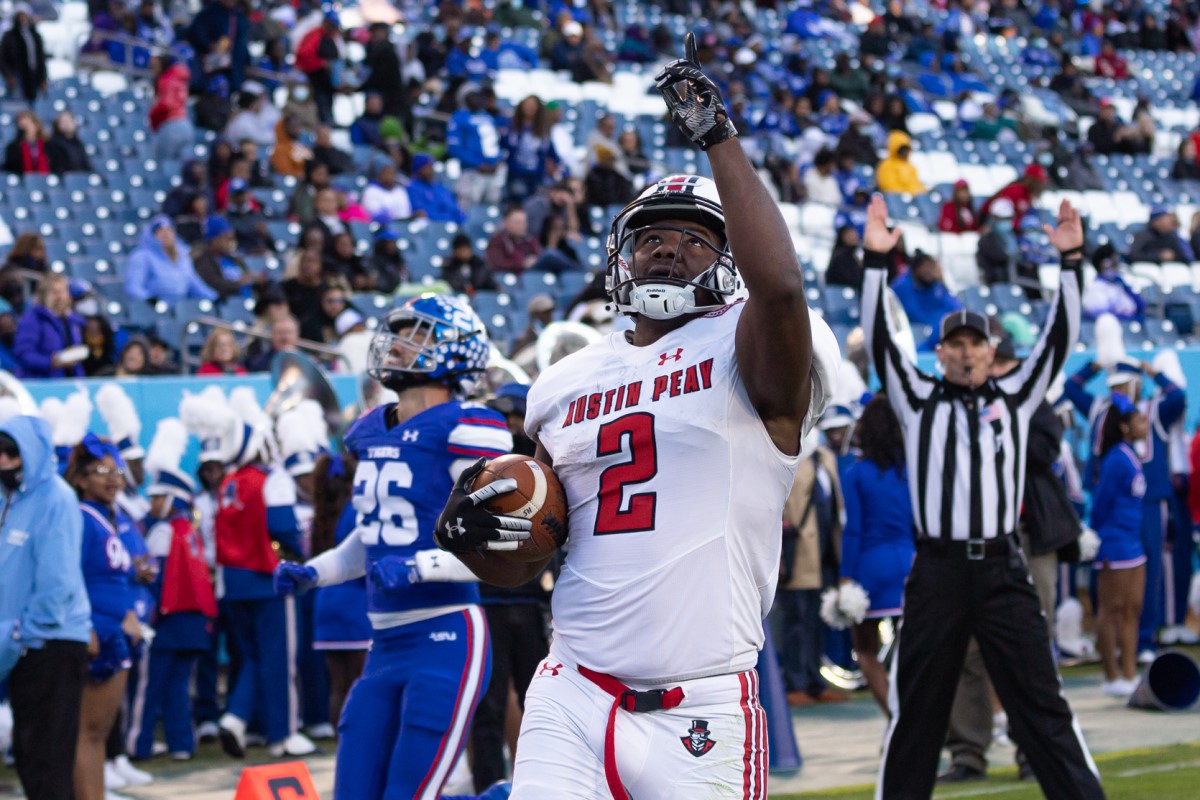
pixel 40 335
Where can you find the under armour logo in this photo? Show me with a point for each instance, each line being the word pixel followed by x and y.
pixel 551 668
pixel 664 357
pixel 409 436
pixel 455 530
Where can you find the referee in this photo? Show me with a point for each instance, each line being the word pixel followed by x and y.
pixel 965 442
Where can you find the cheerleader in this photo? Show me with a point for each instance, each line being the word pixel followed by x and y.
pixel 877 541
pixel 95 471
pixel 1121 561
pixel 341 629
pixel 185 604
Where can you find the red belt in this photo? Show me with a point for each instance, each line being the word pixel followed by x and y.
pixel 634 702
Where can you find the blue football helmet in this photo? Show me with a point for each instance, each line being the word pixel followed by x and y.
pixel 434 338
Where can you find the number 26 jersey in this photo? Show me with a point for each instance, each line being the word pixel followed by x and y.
pixel 403 478
pixel 675 493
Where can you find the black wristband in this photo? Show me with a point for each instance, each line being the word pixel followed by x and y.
pixel 722 132
pixel 1073 258
pixel 874 260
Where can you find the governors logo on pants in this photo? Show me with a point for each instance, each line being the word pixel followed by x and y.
pixel 697 741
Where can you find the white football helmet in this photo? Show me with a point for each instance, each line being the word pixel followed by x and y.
pixel 677 197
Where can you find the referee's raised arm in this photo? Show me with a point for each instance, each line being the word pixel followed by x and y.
pixel 1027 385
pixel 906 386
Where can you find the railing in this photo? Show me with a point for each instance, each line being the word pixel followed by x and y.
pixel 324 352
pixel 99 57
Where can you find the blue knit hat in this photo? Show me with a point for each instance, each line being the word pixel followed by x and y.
pixel 216 226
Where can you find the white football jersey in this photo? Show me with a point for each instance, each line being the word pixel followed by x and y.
pixel 675 494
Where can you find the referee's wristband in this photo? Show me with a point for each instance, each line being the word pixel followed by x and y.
pixel 874 260
pixel 1073 258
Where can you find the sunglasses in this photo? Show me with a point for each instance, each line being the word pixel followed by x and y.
pixel 103 471
pixel 9 450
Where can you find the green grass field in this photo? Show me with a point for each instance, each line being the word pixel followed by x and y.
pixel 1167 773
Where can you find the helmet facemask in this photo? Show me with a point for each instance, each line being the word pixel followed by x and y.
pixel 413 348
pixel 663 290
pixel 681 205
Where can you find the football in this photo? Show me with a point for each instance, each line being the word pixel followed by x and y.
pixel 538 497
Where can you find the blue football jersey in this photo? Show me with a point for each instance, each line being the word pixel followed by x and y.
pixel 403 478
pixel 106 565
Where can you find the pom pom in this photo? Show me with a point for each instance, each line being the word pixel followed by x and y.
pixel 1089 545
pixel 853 602
pixel 118 413
pixel 830 612
pixel 1068 627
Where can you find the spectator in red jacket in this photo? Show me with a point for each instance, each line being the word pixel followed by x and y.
pixel 512 248
pixel 1022 193
pixel 174 134
pixel 958 215
pixel 1109 64
pixel 221 355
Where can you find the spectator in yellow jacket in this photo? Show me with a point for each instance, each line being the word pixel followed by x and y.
pixel 895 173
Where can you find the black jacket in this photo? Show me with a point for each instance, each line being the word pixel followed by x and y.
pixel 1046 514
pixel 68 155
pixel 384 76
pixel 14 61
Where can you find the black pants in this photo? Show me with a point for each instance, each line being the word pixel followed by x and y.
pixel 518 634
pixel 802 639
pixel 46 690
pixel 947 599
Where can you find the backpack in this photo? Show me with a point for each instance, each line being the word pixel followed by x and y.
pixel 307 59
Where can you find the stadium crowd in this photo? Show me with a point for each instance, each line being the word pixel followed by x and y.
pixel 308 171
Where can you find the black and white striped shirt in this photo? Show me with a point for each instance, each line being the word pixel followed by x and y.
pixel 966 447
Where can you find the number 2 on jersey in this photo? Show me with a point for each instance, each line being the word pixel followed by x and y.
pixel 642 466
pixel 382 514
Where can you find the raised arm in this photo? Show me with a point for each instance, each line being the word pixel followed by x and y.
pixel 1075 389
pixel 1029 382
pixel 906 386
pixel 774 336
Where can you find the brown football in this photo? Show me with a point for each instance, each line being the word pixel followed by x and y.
pixel 538 497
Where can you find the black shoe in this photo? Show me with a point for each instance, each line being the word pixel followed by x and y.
pixel 961 773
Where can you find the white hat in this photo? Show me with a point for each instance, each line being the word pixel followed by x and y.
pixel 1003 208
pixel 162 462
pixel 572 28
pixel 124 424
pixel 346 320
pixel 303 435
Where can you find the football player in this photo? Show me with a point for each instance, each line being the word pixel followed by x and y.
pixel 406 718
pixel 676 443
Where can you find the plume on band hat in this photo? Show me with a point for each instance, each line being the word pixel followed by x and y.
pixel 119 414
pixel 163 458
pixel 68 418
pixel 208 416
pixel 303 434
pixel 9 408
